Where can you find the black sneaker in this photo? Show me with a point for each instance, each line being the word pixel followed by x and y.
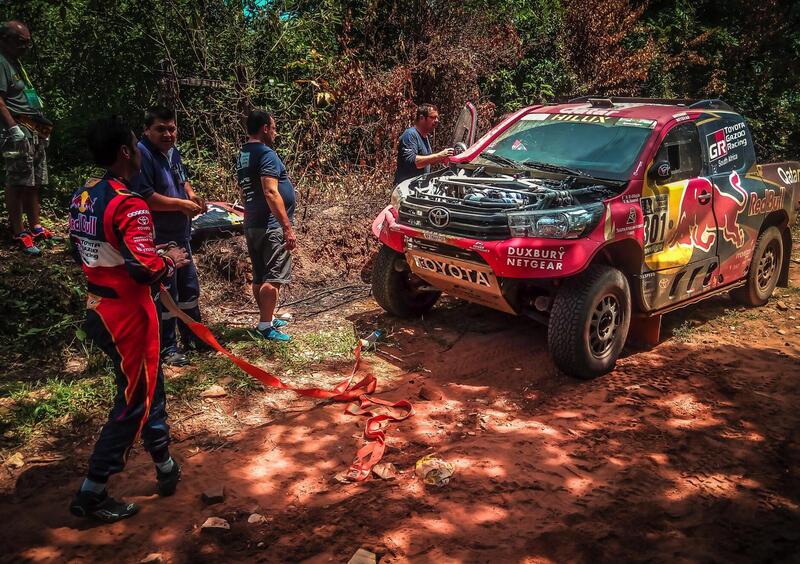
pixel 167 482
pixel 101 507
pixel 175 359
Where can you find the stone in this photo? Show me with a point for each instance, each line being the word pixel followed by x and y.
pixel 215 391
pixel 430 393
pixel 213 495
pixel 781 332
pixel 256 519
pixel 225 381
pixel 152 558
pixel 385 470
pixel 781 305
pixel 363 556
pixel 15 460
pixel 215 525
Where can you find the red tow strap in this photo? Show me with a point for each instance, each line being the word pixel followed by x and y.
pixel 378 411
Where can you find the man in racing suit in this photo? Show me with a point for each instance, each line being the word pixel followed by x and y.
pixel 111 231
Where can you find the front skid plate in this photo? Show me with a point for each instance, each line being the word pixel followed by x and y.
pixel 468 280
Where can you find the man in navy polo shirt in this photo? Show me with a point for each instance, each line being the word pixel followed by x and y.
pixel 414 149
pixel 269 202
pixel 163 183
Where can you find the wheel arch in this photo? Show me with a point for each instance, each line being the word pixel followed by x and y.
pixel 780 219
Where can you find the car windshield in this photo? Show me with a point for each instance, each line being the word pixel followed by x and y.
pixel 601 146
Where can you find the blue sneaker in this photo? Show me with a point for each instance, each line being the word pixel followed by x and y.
pixel 278 323
pixel 273 334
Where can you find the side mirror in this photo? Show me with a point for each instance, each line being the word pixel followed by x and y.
pixel 661 171
pixel 459 147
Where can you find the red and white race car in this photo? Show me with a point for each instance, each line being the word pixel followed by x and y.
pixel 593 216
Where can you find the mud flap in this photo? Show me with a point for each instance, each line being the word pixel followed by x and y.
pixel 645 332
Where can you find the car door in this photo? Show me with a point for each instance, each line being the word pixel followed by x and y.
pixel 680 240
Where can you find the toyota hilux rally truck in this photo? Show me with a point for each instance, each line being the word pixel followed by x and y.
pixel 595 217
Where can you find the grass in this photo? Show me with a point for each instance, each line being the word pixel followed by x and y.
pixel 683 332
pixel 43 405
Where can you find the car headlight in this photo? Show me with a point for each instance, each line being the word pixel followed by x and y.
pixel 399 194
pixel 567 223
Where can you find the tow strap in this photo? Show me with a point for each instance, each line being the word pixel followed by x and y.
pixel 378 412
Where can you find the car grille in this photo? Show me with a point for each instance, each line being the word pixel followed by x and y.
pixel 465 220
pixel 442 249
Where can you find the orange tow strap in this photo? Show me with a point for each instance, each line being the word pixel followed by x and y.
pixel 359 403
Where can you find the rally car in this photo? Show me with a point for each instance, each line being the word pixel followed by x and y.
pixel 595 217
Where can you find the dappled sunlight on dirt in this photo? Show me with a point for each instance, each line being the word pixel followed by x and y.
pixel 678 455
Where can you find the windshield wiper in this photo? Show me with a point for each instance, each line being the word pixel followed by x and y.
pixel 497 159
pixel 556 168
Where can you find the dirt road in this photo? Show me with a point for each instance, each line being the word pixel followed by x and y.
pixel 688 452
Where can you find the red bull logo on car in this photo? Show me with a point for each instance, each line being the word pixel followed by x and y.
pixel 697 224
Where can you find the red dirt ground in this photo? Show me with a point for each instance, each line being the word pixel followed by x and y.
pixel 688 452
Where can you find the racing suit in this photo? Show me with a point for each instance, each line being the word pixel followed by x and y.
pixel 111 231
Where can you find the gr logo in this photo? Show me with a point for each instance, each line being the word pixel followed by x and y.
pixel 717 145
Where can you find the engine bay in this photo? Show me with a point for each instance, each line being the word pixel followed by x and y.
pixel 495 192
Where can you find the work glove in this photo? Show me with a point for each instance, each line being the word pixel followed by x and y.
pixel 16 134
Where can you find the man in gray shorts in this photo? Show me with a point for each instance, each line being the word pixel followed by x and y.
pixel 26 138
pixel 269 202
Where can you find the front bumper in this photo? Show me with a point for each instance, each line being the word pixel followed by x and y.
pixel 480 271
pixel 516 257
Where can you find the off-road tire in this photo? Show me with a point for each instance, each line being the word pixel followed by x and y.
pixel 393 289
pixel 583 316
pixel 765 270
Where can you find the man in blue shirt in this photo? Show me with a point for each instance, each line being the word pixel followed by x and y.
pixel 414 150
pixel 163 183
pixel 269 201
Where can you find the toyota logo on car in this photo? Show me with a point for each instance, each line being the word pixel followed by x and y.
pixel 439 217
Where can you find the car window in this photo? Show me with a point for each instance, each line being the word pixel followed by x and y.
pixel 728 145
pixel 681 149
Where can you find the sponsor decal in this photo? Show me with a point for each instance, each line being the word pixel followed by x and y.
pixel 431 236
pixel 646 275
pixel 518 145
pixel 83 224
pixel 143 220
pixel 631 216
pixel 696 224
pixel 772 201
pixel 83 203
pixel 629 229
pixel 663 170
pixel 454 271
pixel 134 213
pixel 789 176
pixel 663 283
pixel 638 169
pixel 681 116
pixel 717 147
pixel 478 246
pixel 588 111
pixel 537 259
pixel 601 119
pixel 636 122
pixel 724 140
pixel 631 198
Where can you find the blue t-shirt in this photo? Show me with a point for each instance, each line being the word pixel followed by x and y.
pixel 256 160
pixel 411 144
pixel 166 175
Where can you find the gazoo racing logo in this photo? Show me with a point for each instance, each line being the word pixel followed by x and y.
pixel 717 145
pixel 454 271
